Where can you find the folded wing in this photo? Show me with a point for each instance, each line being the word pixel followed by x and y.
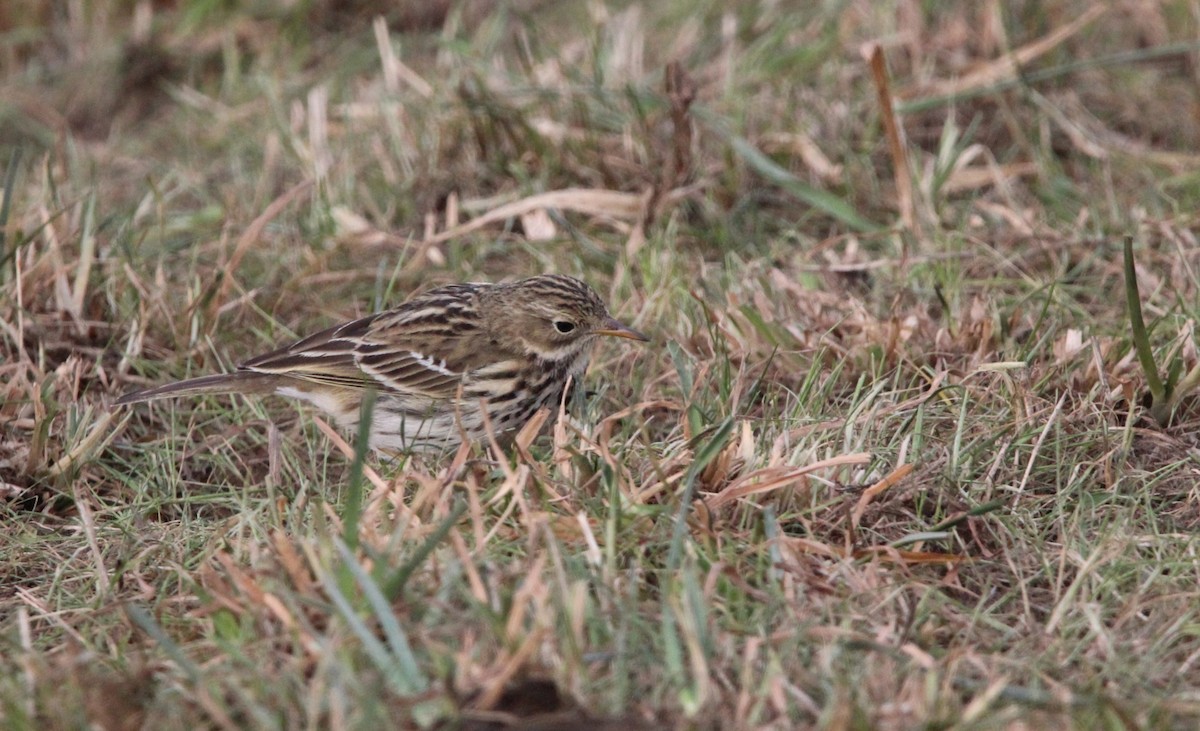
pixel 421 348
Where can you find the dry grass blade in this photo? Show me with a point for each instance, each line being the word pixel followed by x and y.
pixel 776 478
pixel 680 90
pixel 1007 66
pixel 877 489
pixel 806 148
pixel 964 180
pixel 93 442
pixel 604 204
pixel 249 237
pixel 884 553
pixel 395 70
pixel 872 53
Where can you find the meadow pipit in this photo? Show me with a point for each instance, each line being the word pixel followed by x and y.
pixel 435 362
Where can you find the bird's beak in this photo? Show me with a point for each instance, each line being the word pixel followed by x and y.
pixel 617 330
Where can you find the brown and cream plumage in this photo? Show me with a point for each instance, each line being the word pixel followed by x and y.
pixel 435 361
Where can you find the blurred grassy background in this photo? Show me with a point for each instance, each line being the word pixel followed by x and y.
pixel 886 464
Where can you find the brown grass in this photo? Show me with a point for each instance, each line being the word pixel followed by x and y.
pixel 887 463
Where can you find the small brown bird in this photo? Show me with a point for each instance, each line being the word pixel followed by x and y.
pixel 434 362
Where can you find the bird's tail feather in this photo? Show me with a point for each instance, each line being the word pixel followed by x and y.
pixel 248 382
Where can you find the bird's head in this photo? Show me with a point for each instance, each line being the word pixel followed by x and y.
pixel 553 317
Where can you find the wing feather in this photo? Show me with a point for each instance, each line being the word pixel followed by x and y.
pixel 420 348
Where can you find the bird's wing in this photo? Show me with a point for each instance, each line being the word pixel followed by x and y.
pixel 417 349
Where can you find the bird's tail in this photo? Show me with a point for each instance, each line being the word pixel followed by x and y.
pixel 248 382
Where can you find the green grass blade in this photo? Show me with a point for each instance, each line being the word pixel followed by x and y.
pixel 352 509
pixel 394 585
pixel 822 200
pixel 10 183
pixel 376 651
pixel 139 616
pixel 409 676
pixel 1159 408
pixel 704 454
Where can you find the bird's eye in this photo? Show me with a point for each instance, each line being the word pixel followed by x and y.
pixel 564 326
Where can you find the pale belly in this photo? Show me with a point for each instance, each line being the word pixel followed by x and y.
pixel 413 423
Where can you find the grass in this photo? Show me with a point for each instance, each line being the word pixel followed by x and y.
pixel 888 463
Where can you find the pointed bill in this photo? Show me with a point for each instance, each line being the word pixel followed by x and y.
pixel 615 329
